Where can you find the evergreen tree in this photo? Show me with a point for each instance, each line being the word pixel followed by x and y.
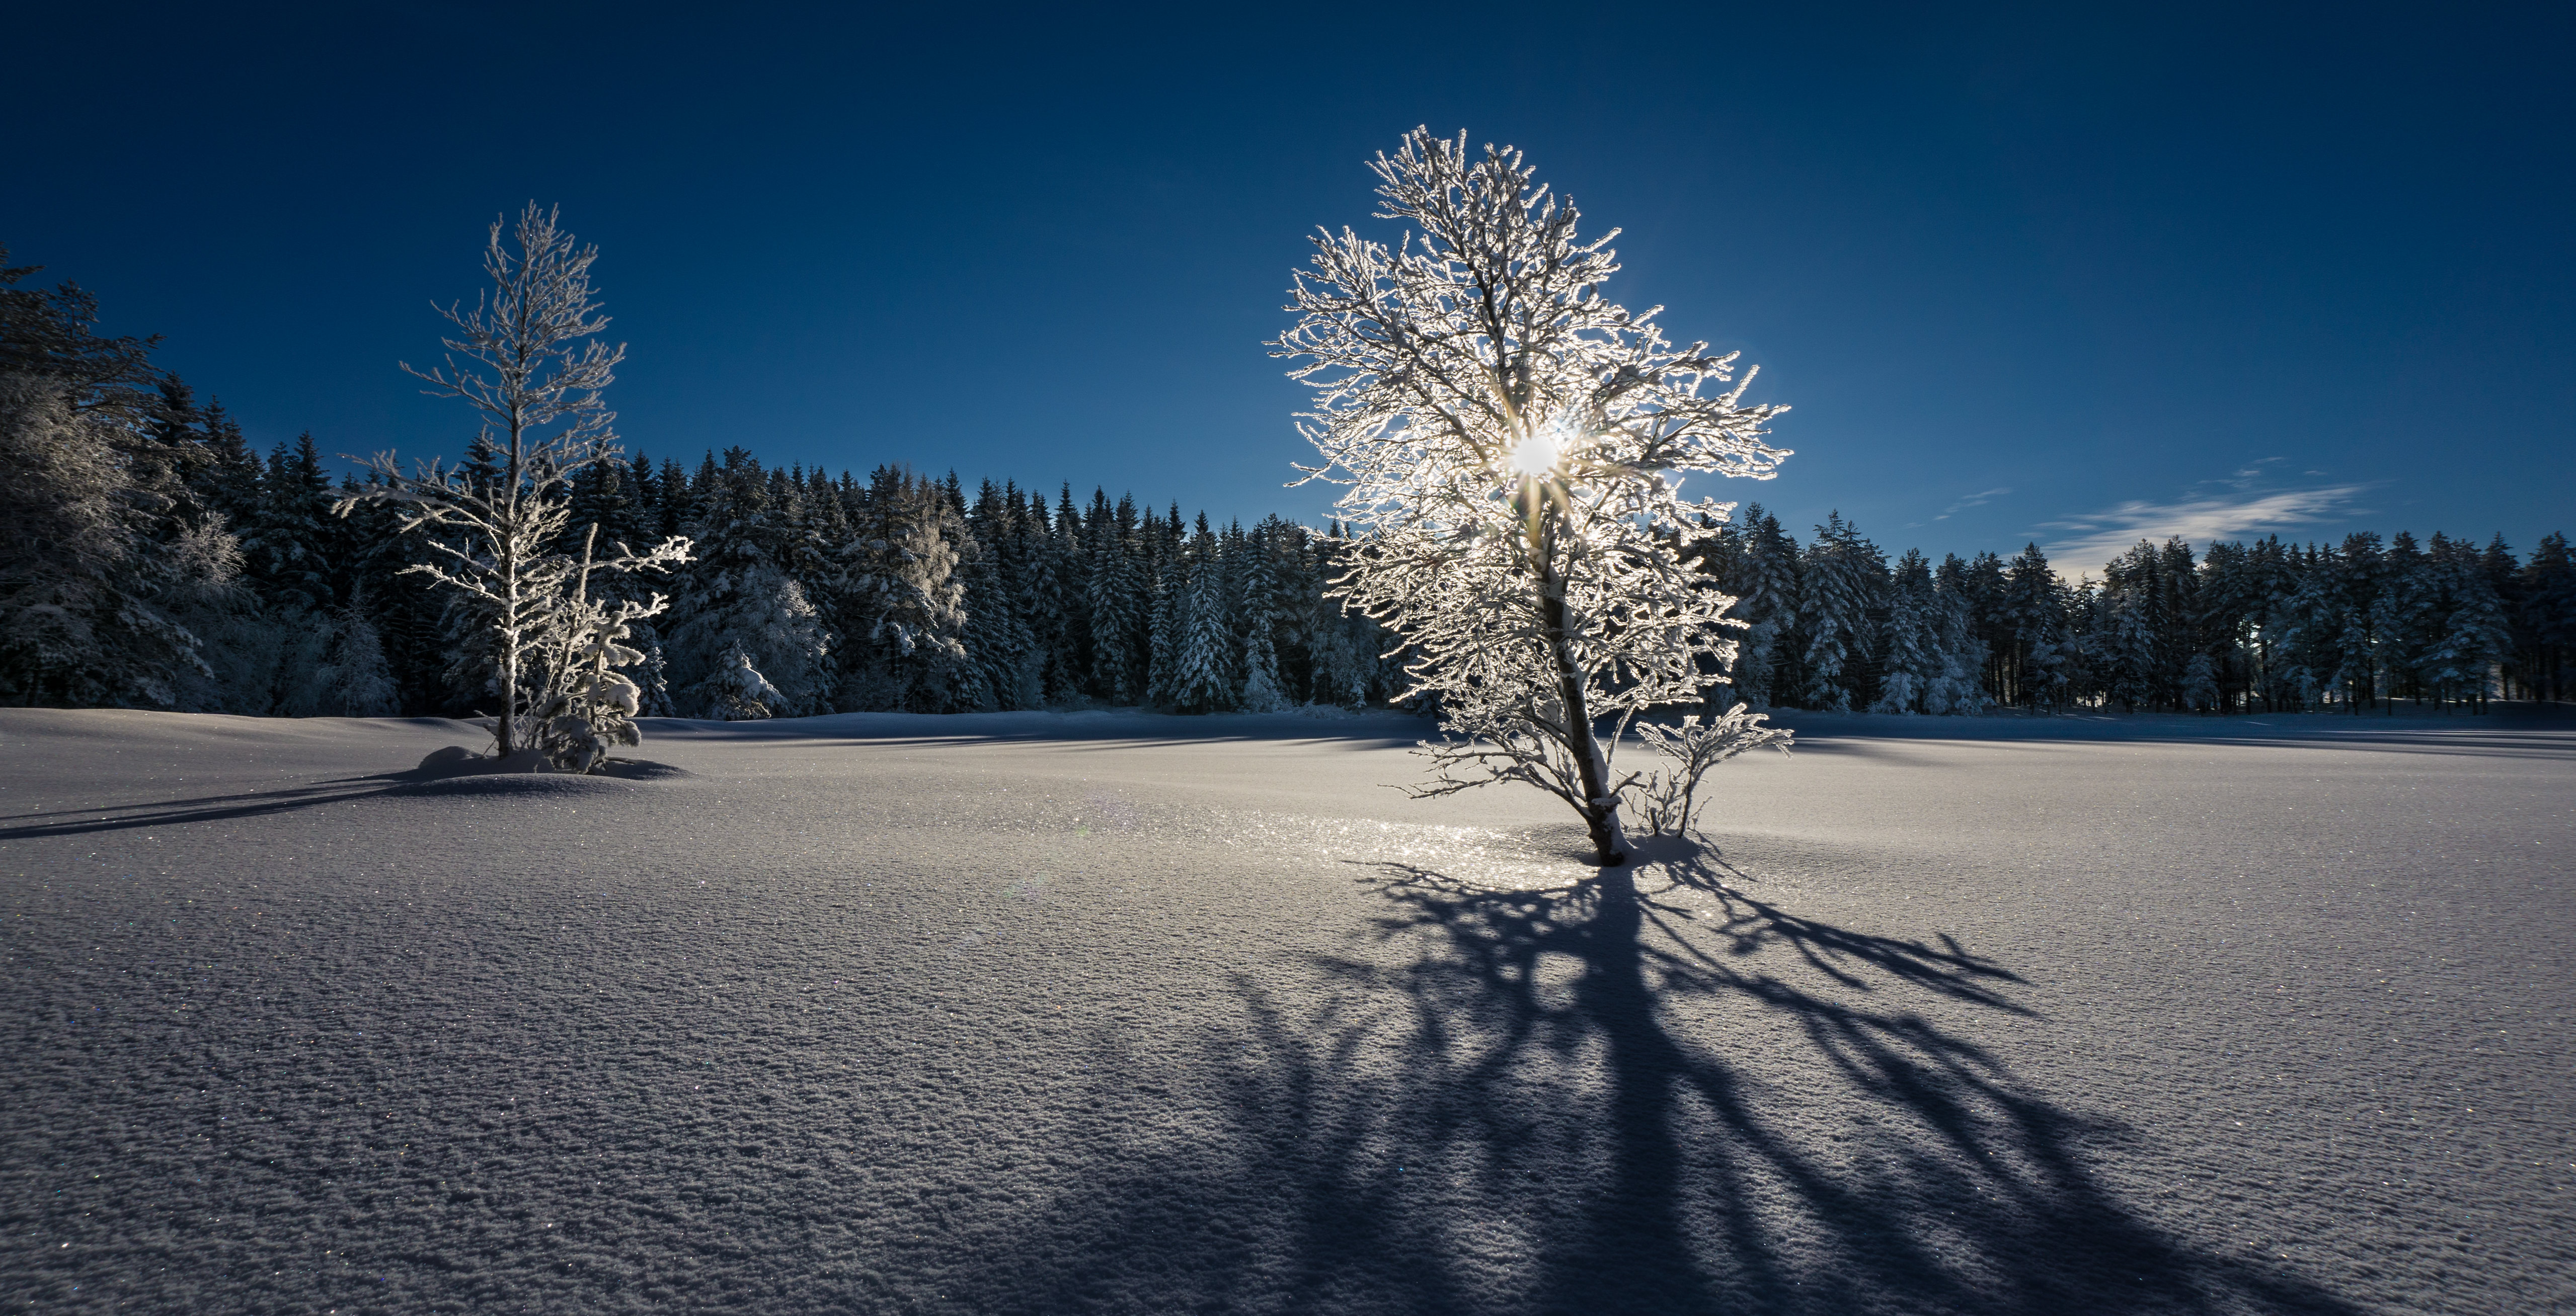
pixel 1201 641
pixel 905 608
pixel 1840 571
pixel 741 606
pixel 1121 604
pixel 2461 660
pixel 2548 619
pixel 1768 666
pixel 1909 647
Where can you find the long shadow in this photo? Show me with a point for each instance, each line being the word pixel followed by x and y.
pixel 338 790
pixel 173 813
pixel 1644 1092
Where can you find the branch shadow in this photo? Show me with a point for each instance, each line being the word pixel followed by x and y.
pixel 1648 1091
pixel 425 780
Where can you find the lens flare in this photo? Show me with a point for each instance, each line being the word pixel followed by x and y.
pixel 1536 456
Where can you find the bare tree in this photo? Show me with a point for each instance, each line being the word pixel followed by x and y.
pixel 1513 446
pixel 533 371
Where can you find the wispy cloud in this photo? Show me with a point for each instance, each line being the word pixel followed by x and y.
pixel 2084 543
pixel 1979 499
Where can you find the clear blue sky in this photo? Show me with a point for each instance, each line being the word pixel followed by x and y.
pixel 2061 276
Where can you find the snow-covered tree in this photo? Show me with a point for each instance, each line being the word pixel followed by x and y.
pixel 1909 647
pixel 2461 659
pixel 906 614
pixel 744 599
pixel 1669 797
pixel 1513 445
pixel 497 530
pixel 89 571
pixel 1257 616
pixel 338 667
pixel 1767 599
pixel 1842 574
pixel 1200 641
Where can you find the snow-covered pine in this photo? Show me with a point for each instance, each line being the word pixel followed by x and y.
pixel 1909 652
pixel 2034 608
pixel 2473 634
pixel 1958 689
pixel 1164 627
pixel 1120 609
pixel 1202 642
pixel 337 667
pixel 905 607
pixel 1843 574
pixel 743 599
pixel 2200 683
pixel 1257 588
pixel 1513 443
pixel 85 579
pixel 1769 604
pixel 496 525
pixel 1343 658
pixel 735 691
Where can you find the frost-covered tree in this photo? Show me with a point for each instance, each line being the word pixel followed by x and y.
pixel 1843 575
pixel 1669 797
pixel 533 371
pixel 339 667
pixel 1909 647
pixel 743 599
pixel 1257 616
pixel 1200 642
pixel 906 610
pixel 92 575
pixel 1513 445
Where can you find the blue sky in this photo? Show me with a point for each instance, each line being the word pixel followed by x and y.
pixel 2073 278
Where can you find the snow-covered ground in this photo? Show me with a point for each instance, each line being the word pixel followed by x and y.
pixel 1040 1013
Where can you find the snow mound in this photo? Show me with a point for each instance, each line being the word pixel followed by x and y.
pixel 516 784
pixel 456 770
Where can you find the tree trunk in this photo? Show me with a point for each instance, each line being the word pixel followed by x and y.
pixel 1592 768
pixel 506 739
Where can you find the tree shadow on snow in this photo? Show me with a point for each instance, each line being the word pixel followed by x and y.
pixel 427 779
pixel 1644 1092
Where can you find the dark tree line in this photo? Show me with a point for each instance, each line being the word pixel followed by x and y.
pixel 150 557
pixel 2266 626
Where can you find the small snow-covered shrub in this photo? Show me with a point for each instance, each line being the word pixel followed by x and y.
pixel 1667 800
pixel 592 705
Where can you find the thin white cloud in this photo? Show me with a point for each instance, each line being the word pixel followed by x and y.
pixel 2248 475
pixel 1979 499
pixel 2086 542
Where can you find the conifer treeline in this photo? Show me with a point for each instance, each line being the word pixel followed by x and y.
pixel 815 594
pixel 2265 626
pixel 809 594
pixel 149 558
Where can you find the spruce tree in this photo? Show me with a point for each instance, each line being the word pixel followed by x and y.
pixel 1909 645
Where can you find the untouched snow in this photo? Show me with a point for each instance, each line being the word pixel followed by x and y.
pixel 1044 1013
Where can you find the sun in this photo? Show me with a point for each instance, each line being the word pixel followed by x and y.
pixel 1537 455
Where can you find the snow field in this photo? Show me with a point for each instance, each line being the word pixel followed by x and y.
pixel 1036 1013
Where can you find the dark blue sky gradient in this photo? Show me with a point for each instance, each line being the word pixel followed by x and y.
pixel 2043 276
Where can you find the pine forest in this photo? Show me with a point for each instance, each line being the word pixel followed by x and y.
pixel 154 559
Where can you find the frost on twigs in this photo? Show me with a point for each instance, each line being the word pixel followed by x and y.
pixel 1668 798
pixel 496 526
pixel 1514 449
